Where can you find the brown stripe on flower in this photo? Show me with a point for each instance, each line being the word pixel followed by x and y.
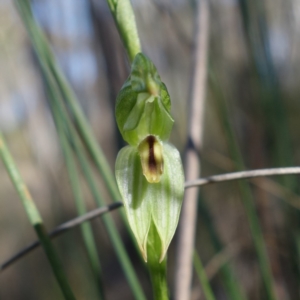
pixel 151 162
pixel 151 154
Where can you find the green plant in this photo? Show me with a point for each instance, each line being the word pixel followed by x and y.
pixel 148 171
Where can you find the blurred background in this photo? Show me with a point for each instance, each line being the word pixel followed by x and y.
pixel 251 121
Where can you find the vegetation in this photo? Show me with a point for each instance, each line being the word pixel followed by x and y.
pixel 150 182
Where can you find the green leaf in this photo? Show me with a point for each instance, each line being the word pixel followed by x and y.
pixel 146 202
pixel 143 104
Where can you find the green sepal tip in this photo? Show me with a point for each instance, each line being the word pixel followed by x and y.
pixel 147 202
pixel 143 104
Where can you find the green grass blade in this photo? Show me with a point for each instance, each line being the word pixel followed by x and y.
pixel 108 222
pixel 86 228
pixel 231 283
pixel 247 199
pixel 60 89
pixel 50 68
pixel 207 291
pixel 35 219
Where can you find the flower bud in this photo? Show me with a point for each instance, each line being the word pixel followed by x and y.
pixel 143 104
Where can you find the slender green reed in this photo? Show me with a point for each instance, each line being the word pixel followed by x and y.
pixel 59 90
pixel 231 282
pixel 246 195
pixel 86 228
pixel 35 219
pixel 108 222
pixel 207 291
pixel 50 68
pixel 275 119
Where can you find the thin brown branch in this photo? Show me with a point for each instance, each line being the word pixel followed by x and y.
pixel 188 184
pixel 243 175
pixel 61 229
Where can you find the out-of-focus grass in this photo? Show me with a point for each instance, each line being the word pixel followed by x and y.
pixel 246 196
pixel 58 91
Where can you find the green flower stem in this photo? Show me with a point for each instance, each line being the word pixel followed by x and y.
pixel 158 271
pixel 125 20
pixel 108 222
pixel 207 291
pixel 159 280
pixel 35 219
pixel 86 228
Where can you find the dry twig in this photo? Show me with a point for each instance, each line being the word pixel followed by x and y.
pixel 186 239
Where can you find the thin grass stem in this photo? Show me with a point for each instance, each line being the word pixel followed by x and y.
pixel 86 228
pixel 231 283
pixel 95 213
pixel 207 291
pixel 247 201
pixel 108 222
pixel 59 90
pixel 35 219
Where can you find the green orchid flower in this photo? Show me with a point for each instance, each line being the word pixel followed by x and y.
pixel 149 171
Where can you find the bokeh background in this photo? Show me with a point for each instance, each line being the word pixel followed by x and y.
pixel 252 107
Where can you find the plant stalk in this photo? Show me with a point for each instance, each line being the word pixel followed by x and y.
pixel 157 269
pixel 123 15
